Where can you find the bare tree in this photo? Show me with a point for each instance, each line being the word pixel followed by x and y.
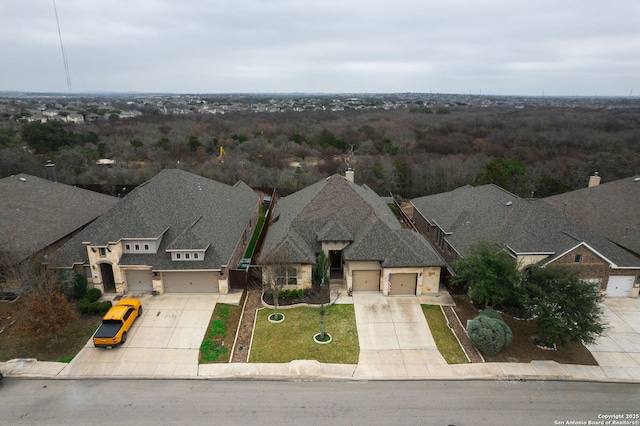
pixel 275 276
pixel 49 311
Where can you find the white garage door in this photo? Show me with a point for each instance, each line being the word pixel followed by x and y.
pixel 366 280
pixel 139 281
pixel 403 284
pixel 620 286
pixel 190 282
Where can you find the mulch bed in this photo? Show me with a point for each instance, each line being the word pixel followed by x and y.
pixel 522 349
pixel 311 297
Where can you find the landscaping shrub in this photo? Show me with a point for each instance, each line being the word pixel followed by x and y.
pixel 491 313
pixel 489 335
pixel 103 307
pixel 83 306
pixel 80 286
pixel 93 295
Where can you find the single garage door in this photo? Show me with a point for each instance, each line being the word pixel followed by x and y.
pixel 190 282
pixel 402 284
pixel 140 281
pixel 366 280
pixel 620 286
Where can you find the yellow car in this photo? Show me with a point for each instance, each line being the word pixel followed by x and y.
pixel 116 323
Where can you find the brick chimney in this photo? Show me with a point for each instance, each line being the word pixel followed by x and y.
pixel 594 180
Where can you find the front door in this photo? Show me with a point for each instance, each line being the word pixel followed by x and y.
pixel 336 270
pixel 109 283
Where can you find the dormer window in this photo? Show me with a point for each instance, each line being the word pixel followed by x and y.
pixel 127 247
pixel 137 247
pixel 187 256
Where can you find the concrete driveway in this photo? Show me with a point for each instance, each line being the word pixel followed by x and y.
pixel 164 341
pixel 395 340
pixel 618 351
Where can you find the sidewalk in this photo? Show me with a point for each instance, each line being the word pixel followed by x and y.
pixel 398 356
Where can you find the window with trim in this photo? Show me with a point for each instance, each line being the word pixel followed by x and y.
pixel 195 255
pixel 146 247
pixel 440 238
pixel 187 256
pixel 287 276
pixel 178 256
pixel 103 251
pixel 137 247
pixel 577 258
pixel 127 246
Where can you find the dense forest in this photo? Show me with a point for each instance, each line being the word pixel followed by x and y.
pixel 410 152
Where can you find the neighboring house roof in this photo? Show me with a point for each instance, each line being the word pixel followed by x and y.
pixel 336 209
pixel 469 214
pixel 35 213
pixel 187 211
pixel 611 209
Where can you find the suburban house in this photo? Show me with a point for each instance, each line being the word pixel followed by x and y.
pixel 611 209
pixel 364 241
pixel 177 232
pixel 531 231
pixel 37 215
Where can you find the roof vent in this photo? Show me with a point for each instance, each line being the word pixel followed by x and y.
pixel 509 203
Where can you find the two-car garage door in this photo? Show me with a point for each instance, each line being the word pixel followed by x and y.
pixel 190 282
pixel 174 282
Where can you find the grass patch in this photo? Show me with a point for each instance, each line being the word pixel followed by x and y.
pixel 256 234
pixel 293 338
pixel 17 343
pixel 222 328
pixel 446 342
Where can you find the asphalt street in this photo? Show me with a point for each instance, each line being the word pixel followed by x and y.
pixel 194 402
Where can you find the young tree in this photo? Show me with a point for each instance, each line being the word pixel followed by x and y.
pixel 275 275
pixel 322 273
pixel 567 308
pixel 490 275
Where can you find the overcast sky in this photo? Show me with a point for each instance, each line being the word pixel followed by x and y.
pixel 504 47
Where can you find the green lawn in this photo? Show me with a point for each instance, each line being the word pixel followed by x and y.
pixel 222 328
pixel 446 342
pixel 293 338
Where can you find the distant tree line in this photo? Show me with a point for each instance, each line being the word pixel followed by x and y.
pixel 537 151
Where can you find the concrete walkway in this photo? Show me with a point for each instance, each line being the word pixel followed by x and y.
pixel 395 342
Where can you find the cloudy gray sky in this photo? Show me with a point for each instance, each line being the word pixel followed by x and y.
pixel 507 47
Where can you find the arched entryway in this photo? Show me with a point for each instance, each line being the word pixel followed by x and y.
pixel 108 282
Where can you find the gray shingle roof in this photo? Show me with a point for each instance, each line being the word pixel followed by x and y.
pixel 468 214
pixel 611 209
pixel 189 212
pixel 335 209
pixel 35 212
